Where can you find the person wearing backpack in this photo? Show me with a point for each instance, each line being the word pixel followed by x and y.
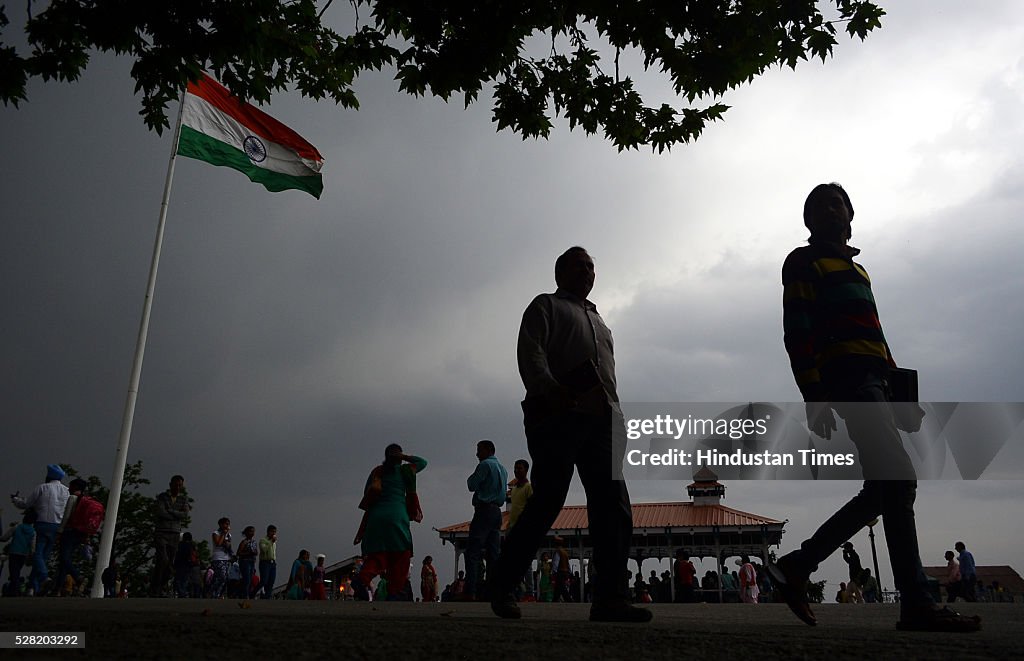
pixel 71 535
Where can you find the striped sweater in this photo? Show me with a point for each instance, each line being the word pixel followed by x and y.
pixel 830 322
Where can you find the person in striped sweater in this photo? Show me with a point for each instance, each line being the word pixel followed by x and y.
pixel 840 361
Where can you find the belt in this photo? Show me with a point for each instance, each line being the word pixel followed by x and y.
pixel 478 505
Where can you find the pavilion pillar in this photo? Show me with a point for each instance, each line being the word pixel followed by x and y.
pixel 673 554
pixel 718 563
pixel 764 544
pixel 583 576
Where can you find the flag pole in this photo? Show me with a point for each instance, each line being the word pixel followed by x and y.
pixel 121 460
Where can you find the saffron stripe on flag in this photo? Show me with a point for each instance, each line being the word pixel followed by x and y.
pixel 200 115
pixel 257 121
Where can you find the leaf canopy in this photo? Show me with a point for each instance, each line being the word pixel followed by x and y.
pixel 448 48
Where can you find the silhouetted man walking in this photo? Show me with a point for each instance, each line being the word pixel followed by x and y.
pixel 840 360
pixel 567 363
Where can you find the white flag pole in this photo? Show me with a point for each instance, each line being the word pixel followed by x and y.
pixel 117 481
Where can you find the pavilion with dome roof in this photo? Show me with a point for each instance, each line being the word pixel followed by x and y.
pixel 702 527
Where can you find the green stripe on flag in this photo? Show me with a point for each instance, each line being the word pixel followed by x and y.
pixel 198 145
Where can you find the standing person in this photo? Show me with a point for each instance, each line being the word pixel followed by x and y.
pixel 852 559
pixel 868 587
pixel 300 577
pixel 561 570
pixel 389 503
pixel 764 583
pixel 952 578
pixel 234 589
pixel 685 573
pixel 840 358
pixel 22 542
pixel 545 586
pixel 220 558
pixel 968 572
pixel 458 586
pixel 519 491
pixel 655 585
pixel 428 580
pixel 48 500
pixel 571 415
pixel 749 591
pixel 248 551
pixel 729 587
pixel 318 581
pixel 186 557
pixel 110 579
pixel 488 486
pixel 268 561
pixel 69 539
pixel 172 509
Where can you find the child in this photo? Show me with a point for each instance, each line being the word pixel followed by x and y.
pixel 185 558
pixel 317 588
pixel 22 544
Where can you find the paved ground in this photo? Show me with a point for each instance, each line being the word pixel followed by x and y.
pixel 174 629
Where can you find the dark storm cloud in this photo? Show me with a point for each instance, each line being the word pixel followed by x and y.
pixel 292 339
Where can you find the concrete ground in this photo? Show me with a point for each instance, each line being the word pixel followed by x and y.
pixel 176 629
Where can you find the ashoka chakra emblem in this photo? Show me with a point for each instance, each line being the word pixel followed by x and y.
pixel 254 149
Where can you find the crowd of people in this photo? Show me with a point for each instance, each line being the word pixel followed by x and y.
pixel 56 518
pixel 249 569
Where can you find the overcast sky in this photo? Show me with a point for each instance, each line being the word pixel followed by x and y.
pixel 292 339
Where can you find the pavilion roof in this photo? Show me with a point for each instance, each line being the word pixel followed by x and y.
pixel 650 515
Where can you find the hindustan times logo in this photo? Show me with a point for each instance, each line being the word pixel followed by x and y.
pixel 676 428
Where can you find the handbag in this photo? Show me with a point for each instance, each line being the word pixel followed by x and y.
pixel 904 399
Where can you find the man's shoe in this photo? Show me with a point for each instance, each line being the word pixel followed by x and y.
pixel 792 585
pixel 618 611
pixel 506 607
pixel 938 620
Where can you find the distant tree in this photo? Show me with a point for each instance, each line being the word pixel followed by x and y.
pixel 815 591
pixel 538 58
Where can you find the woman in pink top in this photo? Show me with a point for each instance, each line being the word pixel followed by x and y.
pixel 952 578
pixel 748 581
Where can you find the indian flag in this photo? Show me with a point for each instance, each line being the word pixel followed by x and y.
pixel 219 129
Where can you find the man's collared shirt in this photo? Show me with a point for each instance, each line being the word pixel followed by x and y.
pixel 967 568
pixel 488 482
pixel 48 500
pixel 268 550
pixel 559 333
